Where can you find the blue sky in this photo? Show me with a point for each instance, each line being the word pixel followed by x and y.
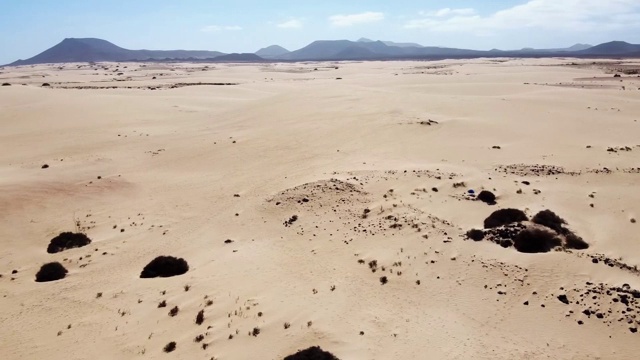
pixel 31 26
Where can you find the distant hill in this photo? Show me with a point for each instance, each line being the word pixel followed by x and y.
pixel 613 48
pixel 576 47
pixel 272 51
pixel 89 49
pixel 392 43
pixel 244 57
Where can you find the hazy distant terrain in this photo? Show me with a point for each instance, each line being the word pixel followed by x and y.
pixel 91 50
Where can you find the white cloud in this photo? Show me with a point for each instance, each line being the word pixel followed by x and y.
pixel 354 19
pixel 568 15
pixel 291 24
pixel 215 28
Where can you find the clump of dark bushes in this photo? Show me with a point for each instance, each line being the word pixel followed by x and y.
pixel 170 347
pixel 312 353
pixel 67 240
pixel 573 241
pixel 504 217
pixel 51 272
pixel 551 220
pixel 536 241
pixel 487 197
pixel 475 234
pixel 200 317
pixel 165 266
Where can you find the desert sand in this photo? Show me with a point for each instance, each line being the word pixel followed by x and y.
pixel 292 189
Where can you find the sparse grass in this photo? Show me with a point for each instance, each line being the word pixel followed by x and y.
pixel 287 325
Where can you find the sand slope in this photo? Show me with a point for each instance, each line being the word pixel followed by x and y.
pixel 184 166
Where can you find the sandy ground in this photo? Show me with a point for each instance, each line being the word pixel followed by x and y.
pixel 156 167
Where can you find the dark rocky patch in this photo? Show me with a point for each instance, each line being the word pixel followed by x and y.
pixel 164 266
pixel 67 240
pixel 51 272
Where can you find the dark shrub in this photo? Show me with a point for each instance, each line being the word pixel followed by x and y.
pixel 6 84
pixel 384 280
pixel 67 240
pixel 174 311
pixel 312 353
pixel 487 197
pixel 46 84
pixel 504 217
pixel 536 241
pixel 549 219
pixel 51 272
pixel 45 166
pixel 573 241
pixel 475 234
pixel 165 266
pixel 200 317
pixel 170 347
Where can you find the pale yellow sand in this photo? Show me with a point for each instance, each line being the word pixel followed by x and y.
pixel 171 160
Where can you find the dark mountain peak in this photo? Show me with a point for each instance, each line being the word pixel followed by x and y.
pixel 272 51
pixel 92 50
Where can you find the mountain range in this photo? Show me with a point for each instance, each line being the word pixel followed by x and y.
pixel 92 50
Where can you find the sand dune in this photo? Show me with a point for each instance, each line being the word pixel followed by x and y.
pixel 319 204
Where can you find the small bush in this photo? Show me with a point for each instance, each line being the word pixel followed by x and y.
pixel 504 217
pixel 170 347
pixel 549 219
pixel 475 234
pixel 487 197
pixel 162 304
pixel 312 353
pixel 67 240
pixel 573 241
pixel 255 332
pixel 200 317
pixel 51 272
pixel 46 84
pixel 536 241
pixel 384 280
pixel 198 338
pixel 165 266
pixel 174 311
pixel 6 84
